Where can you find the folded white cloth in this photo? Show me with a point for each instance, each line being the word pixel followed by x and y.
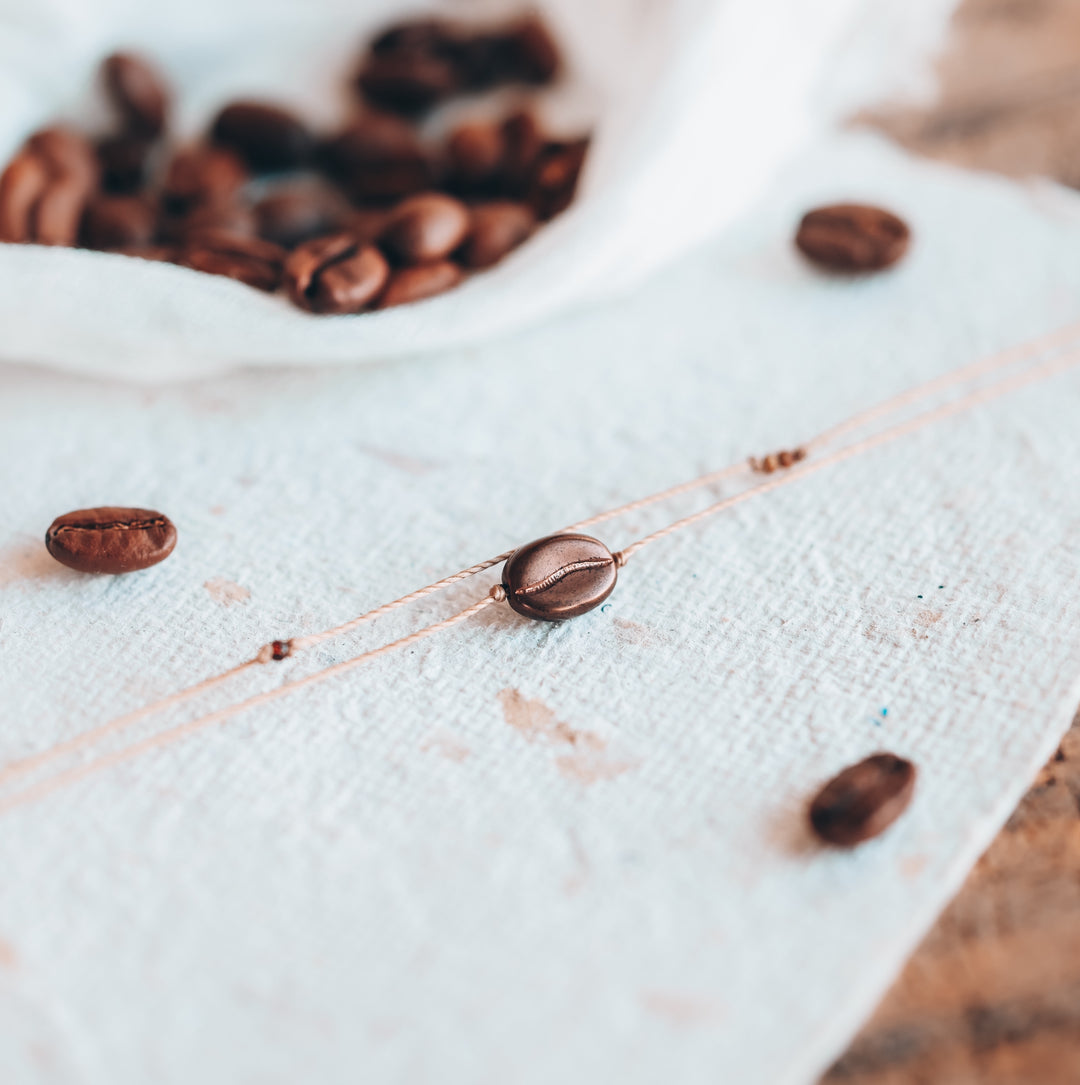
pixel 526 854
pixel 695 105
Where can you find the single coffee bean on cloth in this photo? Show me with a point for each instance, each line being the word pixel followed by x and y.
pixel 425 228
pixel 111 539
pixel 863 800
pixel 21 186
pixel 411 86
pixel 250 260
pixel 229 216
pixel 557 178
pixel 138 92
pixel 496 229
pixel 523 144
pixel 298 212
pixel 851 237
pixel 66 153
pixel 378 157
pixel 118 222
pixel 265 136
pixel 476 152
pixel 559 577
pixel 44 189
pixel 338 274
pixel 409 284
pixel 202 175
pixel 530 52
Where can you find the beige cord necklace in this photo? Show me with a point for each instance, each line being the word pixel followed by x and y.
pixel 567 574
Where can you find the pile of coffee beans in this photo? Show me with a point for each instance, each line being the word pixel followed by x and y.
pixel 377 214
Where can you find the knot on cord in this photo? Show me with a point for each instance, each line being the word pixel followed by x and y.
pixel 775 461
pixel 276 650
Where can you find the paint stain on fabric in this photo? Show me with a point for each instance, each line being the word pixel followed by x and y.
pixel 634 633
pixel 445 745
pixel 592 766
pixel 226 592
pixel 409 464
pixel 27 562
pixel 682 1010
pixel 586 759
pixel 912 866
pixel 9 959
pixel 926 619
pixel 535 722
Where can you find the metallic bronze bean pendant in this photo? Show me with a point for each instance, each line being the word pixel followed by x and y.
pixel 559 577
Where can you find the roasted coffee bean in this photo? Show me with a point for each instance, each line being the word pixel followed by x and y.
pixel 298 213
pixel 71 174
pixel 378 157
pixel 231 216
pixel 366 225
pixel 111 540
pixel 425 228
pixel 337 274
pixel 476 153
pixel 374 138
pixel 202 175
pixel 21 186
pixel 479 59
pixel 265 136
pixel 530 52
pixel 66 153
pixel 124 162
pixel 523 144
pixel 410 85
pixel 418 283
pixel 118 222
pixel 138 92
pixel 557 178
pixel 864 800
pixel 559 577
pixel 496 229
pixel 413 37
pixel 249 260
pixel 851 237
pixel 58 213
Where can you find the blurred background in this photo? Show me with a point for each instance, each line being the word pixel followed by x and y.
pixel 993 994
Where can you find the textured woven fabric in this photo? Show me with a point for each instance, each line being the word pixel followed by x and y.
pixel 527 853
pixel 663 83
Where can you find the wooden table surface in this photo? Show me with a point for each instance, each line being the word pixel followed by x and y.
pixel 992 996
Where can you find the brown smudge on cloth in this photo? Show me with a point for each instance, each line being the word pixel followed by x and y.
pixel 588 759
pixel 226 592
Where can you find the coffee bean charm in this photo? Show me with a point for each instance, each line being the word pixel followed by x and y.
pixel 110 539
pixel 863 800
pixel 559 577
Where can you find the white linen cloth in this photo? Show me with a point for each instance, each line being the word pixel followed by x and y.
pixel 695 105
pixel 414 873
